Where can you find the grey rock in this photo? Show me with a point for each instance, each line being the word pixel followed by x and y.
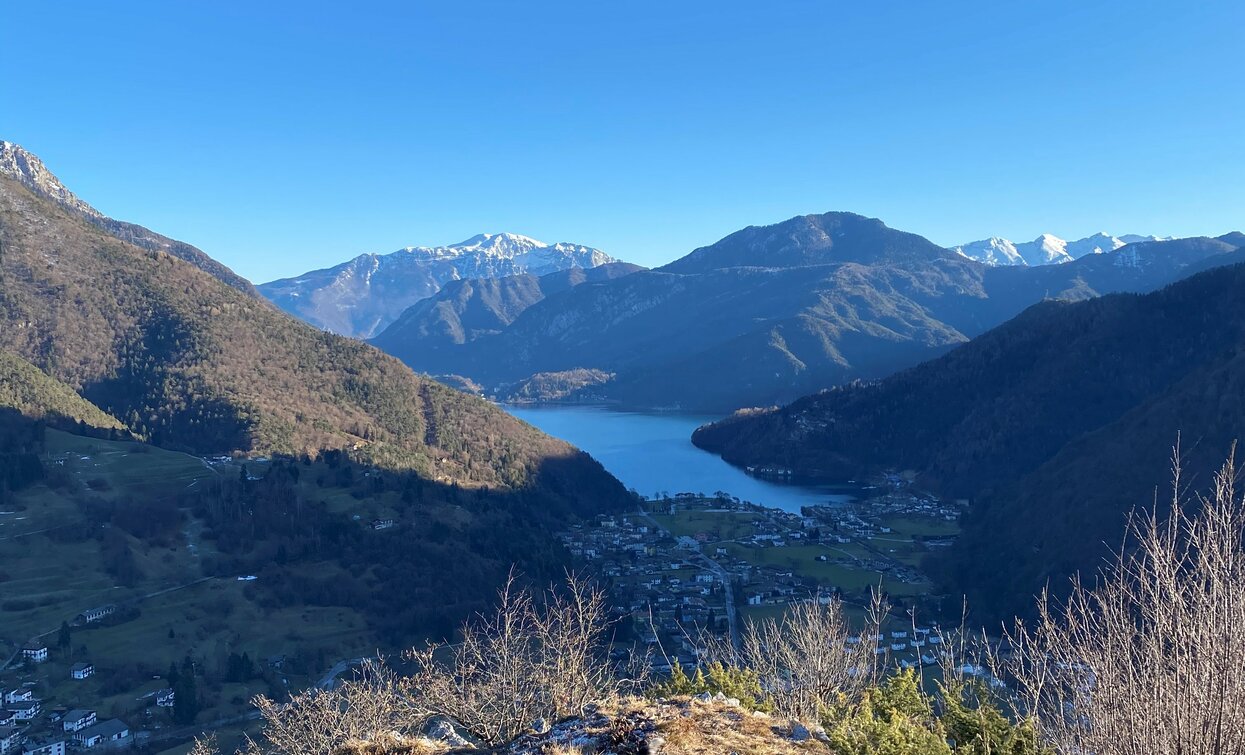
pixel 540 726
pixel 703 697
pixel 443 731
pixel 800 733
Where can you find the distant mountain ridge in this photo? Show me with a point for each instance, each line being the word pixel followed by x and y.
pixel 770 313
pixel 28 170
pixel 1046 249
pixel 362 296
pixel 465 310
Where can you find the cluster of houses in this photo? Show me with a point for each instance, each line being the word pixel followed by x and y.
pixel 670 593
pixel 675 589
pixel 26 727
pixel 76 729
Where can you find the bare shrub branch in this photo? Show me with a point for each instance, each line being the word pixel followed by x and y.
pixel 523 663
pixel 1152 658
pixel 318 722
pixel 807 661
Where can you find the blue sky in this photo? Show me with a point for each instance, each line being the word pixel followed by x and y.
pixel 298 135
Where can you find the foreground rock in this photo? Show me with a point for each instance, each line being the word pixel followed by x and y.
pixel 635 726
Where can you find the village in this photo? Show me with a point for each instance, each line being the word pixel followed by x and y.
pixel 686 570
pixel 33 725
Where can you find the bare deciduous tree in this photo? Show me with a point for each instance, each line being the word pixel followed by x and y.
pixel 523 663
pixel 1151 659
pixel 319 722
pixel 808 660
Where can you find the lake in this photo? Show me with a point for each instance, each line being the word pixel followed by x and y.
pixel 653 453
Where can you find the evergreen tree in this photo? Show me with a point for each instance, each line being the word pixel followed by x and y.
pixel 186 695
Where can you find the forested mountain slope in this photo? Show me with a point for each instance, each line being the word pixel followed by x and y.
pixel 34 394
pixel 192 363
pixel 1054 424
pixel 465 310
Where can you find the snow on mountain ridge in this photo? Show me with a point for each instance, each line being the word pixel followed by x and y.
pixel 361 296
pixel 1046 249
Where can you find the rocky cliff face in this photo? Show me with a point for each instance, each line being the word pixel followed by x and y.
pixel 27 169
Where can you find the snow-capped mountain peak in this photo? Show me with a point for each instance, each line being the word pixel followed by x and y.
pixel 360 297
pixel 992 251
pixel 1047 249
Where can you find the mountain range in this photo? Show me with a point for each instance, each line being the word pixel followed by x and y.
pixel 1055 424
pixel 771 313
pixel 162 340
pixel 1046 249
pixel 362 296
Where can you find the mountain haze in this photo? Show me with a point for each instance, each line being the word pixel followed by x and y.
pixel 362 296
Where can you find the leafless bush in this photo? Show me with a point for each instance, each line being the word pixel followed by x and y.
pixel 319 722
pixel 205 745
pixel 805 661
pixel 525 662
pixel 1151 659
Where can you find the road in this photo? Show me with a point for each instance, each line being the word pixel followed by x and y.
pixel 339 668
pixel 732 613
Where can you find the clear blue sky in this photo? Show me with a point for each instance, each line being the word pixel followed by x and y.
pixel 302 134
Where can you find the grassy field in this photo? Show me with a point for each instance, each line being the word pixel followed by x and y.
pixel 719 525
pixel 903 542
pixel 920 526
pixel 802 560
pixel 135 468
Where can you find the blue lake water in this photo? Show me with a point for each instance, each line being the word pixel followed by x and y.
pixel 653 453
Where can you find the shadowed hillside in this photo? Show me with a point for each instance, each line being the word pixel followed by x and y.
pixel 1057 408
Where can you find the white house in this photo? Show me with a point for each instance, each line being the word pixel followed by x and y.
pixel 78 719
pixel 94 614
pixel 46 747
pixel 81 670
pixel 166 697
pixel 25 710
pixel 36 651
pixel 19 694
pixel 112 732
pixel 10 739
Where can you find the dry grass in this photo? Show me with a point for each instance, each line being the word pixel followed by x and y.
pixel 716 729
pixel 393 745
